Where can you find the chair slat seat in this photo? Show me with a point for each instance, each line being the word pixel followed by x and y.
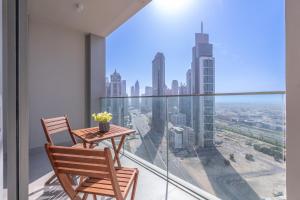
pixel 104 187
pixel 96 168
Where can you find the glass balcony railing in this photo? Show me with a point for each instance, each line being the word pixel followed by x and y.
pixel 231 146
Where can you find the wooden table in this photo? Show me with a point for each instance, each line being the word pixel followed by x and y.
pixel 90 136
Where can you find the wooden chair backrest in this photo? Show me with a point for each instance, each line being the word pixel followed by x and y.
pixel 84 162
pixel 56 125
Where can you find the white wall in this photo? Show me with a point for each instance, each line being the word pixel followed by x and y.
pixel 57 79
pixel 293 97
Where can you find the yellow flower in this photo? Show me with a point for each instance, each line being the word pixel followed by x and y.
pixel 103 117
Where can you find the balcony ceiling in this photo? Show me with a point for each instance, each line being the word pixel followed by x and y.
pixel 100 17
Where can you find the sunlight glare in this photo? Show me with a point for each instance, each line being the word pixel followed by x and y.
pixel 172 6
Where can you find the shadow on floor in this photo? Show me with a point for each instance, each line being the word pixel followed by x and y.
pixel 227 183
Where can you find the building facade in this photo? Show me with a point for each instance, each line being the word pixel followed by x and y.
pixel 203 82
pixel 158 89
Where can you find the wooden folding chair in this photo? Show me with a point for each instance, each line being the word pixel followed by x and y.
pixel 58 125
pixel 101 177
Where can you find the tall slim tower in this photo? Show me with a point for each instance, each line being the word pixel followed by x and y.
pixel 116 91
pixel 203 82
pixel 115 84
pixel 137 94
pixel 158 75
pixel 137 88
pixel 173 102
pixel 123 88
pixel 189 81
pixel 158 89
pixel 175 87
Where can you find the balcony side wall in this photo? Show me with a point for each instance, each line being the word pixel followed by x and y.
pixel 96 73
pixel 293 97
pixel 57 77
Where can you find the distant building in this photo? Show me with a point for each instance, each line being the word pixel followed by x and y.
pixel 115 84
pixel 136 99
pixel 181 138
pixel 146 102
pixel 132 91
pixel 158 75
pixel 115 91
pixel 107 87
pixel 137 88
pixel 189 81
pixel 173 102
pixel 123 88
pixel 203 107
pixel 178 119
pixel 188 137
pixel 168 92
pixel 176 138
pixel 148 91
pixel 158 89
pixel 175 87
pixel 185 104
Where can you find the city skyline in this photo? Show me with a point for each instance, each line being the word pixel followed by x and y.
pixel 130 49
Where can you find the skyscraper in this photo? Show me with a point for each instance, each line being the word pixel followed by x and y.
pixel 189 81
pixel 158 75
pixel 173 103
pixel 203 82
pixel 137 94
pixel 158 87
pixel 185 104
pixel 146 102
pixel 115 84
pixel 132 91
pixel 116 91
pixel 137 89
pixel 123 88
pixel 175 88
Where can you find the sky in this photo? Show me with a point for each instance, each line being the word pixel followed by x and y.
pixel 248 40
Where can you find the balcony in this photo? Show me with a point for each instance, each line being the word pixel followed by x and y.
pixel 223 146
pixel 245 149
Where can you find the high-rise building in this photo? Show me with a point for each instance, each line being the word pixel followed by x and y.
pixel 176 138
pixel 178 119
pixel 146 103
pixel 123 88
pixel 116 91
pixel 173 102
pixel 175 87
pixel 203 82
pixel 125 100
pixel 158 75
pixel 107 87
pixel 158 89
pixel 136 94
pixel 115 84
pixel 148 91
pixel 132 91
pixel 137 89
pixel 189 81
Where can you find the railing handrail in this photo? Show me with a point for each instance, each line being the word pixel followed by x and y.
pixel 195 95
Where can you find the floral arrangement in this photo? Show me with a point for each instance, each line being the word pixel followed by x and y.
pixel 104 117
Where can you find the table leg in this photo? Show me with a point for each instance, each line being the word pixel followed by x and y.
pixel 91 145
pixel 116 158
pixel 119 149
